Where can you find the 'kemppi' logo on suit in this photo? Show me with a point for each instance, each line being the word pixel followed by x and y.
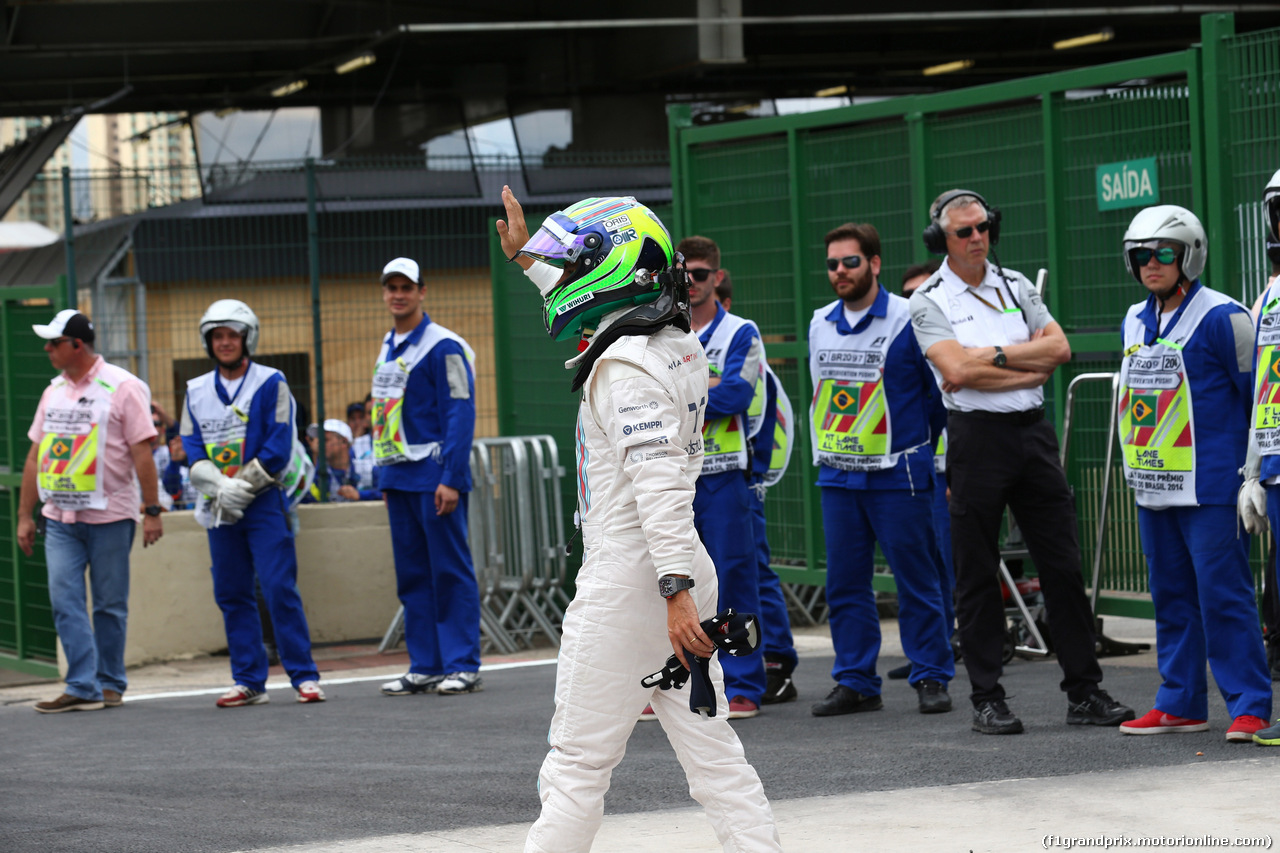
pixel 647 425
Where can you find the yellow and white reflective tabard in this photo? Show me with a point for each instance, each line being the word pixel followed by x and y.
pixel 783 432
pixel 1266 389
pixel 1157 418
pixel 390 378
pixel 69 471
pixel 849 419
pixel 726 440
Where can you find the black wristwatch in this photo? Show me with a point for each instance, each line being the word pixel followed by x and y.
pixel 1000 359
pixel 154 509
pixel 669 585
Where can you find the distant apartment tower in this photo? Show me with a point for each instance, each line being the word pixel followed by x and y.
pixel 140 160
pixel 42 202
pixel 134 161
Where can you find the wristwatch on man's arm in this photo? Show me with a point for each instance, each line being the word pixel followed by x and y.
pixel 669 585
pixel 154 509
pixel 999 359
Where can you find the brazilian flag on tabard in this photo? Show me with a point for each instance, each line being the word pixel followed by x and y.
pixel 60 450
pixel 226 456
pixel 1142 408
pixel 1273 369
pixel 844 401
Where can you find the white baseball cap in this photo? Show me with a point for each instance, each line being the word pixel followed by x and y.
pixel 340 427
pixel 68 322
pixel 402 266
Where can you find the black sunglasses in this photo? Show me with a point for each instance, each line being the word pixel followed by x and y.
pixel 966 232
pixel 1164 254
pixel 700 275
pixel 851 262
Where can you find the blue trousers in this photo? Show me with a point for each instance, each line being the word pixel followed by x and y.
pixel 261 543
pixel 95 651
pixel 1205 609
pixel 854 521
pixel 722 516
pixel 946 568
pixel 436 583
pixel 775 623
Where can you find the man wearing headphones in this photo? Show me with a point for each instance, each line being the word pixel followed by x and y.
pixel 992 344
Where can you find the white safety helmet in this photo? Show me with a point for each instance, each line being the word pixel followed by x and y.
pixel 1271 207
pixel 1174 224
pixel 233 314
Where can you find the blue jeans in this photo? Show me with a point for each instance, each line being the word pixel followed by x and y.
pixel 95 651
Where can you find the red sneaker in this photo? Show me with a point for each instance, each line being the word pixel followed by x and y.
pixel 647 715
pixel 741 709
pixel 1244 727
pixel 1157 722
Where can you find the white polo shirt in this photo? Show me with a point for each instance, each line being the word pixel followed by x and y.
pixel 998 312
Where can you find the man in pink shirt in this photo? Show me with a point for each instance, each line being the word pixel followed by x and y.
pixel 91 432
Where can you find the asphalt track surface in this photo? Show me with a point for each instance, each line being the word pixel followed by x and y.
pixel 178 774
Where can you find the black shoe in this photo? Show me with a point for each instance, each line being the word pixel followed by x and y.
pixel 993 717
pixel 778 686
pixel 1098 710
pixel 844 700
pixel 933 696
pixel 899 673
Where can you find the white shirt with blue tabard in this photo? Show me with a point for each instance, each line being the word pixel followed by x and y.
pixel 437 408
pixel 883 341
pixel 1214 335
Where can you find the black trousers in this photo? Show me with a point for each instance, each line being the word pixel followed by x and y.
pixel 992 463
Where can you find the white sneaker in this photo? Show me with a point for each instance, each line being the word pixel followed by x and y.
pixel 460 682
pixel 412 682
pixel 309 691
pixel 240 696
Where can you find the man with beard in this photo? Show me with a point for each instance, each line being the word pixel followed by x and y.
pixel 874 419
pixel 992 344
pixel 239 431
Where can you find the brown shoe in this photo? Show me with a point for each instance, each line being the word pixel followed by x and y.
pixel 111 699
pixel 67 702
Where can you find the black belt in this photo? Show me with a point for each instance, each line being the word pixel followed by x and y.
pixel 1030 416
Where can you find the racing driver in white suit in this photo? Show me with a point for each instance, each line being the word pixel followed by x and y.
pixel 605 269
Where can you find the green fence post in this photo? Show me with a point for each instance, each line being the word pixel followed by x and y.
pixel 815 541
pixel 69 228
pixel 1054 220
pixel 1217 215
pixel 679 116
pixel 313 262
pixel 921 197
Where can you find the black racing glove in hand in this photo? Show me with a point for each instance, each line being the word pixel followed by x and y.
pixel 734 634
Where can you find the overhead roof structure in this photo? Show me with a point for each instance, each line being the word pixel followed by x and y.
pixel 194 55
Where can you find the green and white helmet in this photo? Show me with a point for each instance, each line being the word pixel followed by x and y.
pixel 616 251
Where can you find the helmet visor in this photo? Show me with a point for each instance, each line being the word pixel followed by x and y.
pixel 555 243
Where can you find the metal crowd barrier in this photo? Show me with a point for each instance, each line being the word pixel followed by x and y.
pixel 516 529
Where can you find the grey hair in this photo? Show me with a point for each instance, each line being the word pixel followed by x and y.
pixel 960 201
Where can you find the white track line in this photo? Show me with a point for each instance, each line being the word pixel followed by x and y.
pixel 281 685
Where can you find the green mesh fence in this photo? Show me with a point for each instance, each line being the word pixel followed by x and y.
pixel 767 190
pixel 27 637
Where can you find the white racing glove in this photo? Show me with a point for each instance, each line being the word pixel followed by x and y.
pixel 229 495
pixel 1252 505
